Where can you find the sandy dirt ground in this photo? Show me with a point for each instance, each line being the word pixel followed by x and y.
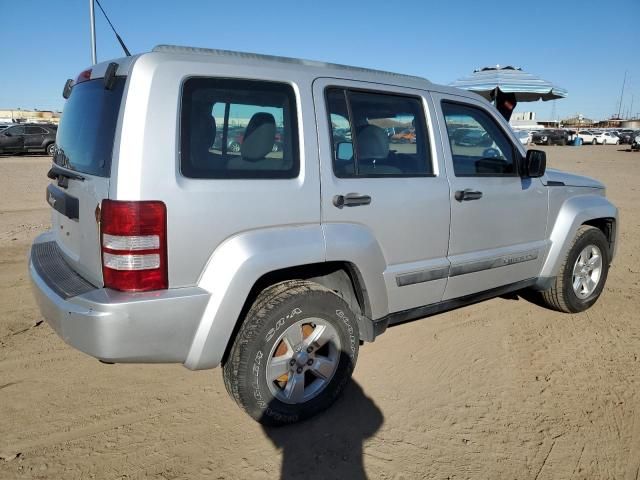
pixel 502 389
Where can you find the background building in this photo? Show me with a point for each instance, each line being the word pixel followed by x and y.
pixel 32 116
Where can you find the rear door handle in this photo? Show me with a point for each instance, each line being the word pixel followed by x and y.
pixel 351 200
pixel 467 194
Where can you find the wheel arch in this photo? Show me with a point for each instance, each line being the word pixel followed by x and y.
pixel 594 210
pixel 341 277
pixel 245 264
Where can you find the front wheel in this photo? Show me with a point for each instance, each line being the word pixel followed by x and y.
pixel 594 142
pixel 51 149
pixel 582 275
pixel 294 353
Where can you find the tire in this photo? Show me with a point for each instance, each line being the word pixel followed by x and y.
pixel 562 296
pixel 594 142
pixel 234 147
pixel 281 324
pixel 50 149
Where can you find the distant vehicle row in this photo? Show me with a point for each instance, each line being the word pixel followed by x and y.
pixel 559 136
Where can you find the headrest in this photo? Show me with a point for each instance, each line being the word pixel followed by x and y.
pixel 259 137
pixel 203 129
pixel 373 143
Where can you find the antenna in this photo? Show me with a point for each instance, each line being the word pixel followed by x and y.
pixel 92 24
pixel 124 47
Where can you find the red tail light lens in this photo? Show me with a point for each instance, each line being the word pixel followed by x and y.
pixel 134 245
pixel 83 76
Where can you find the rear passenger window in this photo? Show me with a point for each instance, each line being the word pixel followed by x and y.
pixel 479 147
pixel 35 130
pixel 238 129
pixel 376 134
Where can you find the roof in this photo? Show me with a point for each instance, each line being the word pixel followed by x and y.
pixel 319 68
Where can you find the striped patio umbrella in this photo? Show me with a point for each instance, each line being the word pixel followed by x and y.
pixel 525 86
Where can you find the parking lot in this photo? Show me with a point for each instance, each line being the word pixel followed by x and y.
pixel 501 389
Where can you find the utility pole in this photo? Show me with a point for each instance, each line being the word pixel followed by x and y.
pixel 92 23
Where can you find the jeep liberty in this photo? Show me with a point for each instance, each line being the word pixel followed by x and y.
pixel 259 213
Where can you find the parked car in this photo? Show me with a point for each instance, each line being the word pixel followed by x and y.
pixel 588 136
pixel 607 138
pixel 28 137
pixel 474 137
pixel 523 136
pixel 626 136
pixel 269 265
pixel 635 143
pixel 406 135
pixel 550 137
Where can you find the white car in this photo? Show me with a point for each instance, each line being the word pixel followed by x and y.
pixel 588 137
pixel 607 138
pixel 524 136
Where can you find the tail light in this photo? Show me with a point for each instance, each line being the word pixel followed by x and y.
pixel 134 245
pixel 83 76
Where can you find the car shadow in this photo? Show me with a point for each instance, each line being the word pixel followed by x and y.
pixel 330 445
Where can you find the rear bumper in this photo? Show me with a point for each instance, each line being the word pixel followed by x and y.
pixel 145 327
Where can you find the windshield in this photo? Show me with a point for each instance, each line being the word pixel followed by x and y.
pixel 87 127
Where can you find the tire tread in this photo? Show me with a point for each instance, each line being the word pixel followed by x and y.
pixel 555 297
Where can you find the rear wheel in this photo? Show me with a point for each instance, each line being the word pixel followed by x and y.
pixel 234 147
pixel 582 275
pixel 50 149
pixel 294 353
pixel 594 142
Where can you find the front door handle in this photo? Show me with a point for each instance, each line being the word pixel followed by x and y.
pixel 467 194
pixel 351 200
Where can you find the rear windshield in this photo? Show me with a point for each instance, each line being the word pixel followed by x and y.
pixel 87 127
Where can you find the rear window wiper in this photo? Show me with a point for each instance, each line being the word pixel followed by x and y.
pixel 63 175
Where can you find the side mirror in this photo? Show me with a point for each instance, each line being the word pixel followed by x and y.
pixel 535 163
pixel 344 151
pixel 8 134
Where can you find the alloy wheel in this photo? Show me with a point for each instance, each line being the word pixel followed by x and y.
pixel 303 360
pixel 587 271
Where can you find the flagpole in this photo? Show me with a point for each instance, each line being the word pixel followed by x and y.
pixel 92 23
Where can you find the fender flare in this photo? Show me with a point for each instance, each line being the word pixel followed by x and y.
pixel 356 244
pixel 240 261
pixel 231 272
pixel 574 212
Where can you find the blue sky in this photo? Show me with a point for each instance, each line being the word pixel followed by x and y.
pixel 584 46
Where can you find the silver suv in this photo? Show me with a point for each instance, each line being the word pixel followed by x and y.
pixel 271 214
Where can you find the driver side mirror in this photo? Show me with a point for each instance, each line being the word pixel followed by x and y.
pixel 535 164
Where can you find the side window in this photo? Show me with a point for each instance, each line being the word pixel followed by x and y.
pixel 478 144
pixel 235 129
pixel 376 134
pixel 15 130
pixel 35 130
